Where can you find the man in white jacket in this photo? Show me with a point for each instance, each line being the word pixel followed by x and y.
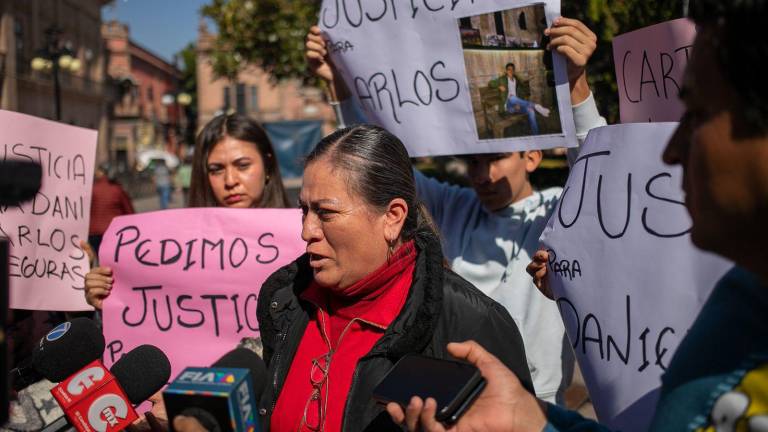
pixel 490 231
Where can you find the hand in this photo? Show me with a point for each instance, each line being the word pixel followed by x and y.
pixel 154 420
pixel 577 43
pixel 148 423
pixel 538 271
pixel 319 63
pixel 187 424
pixel 86 247
pixel 504 405
pixel 98 284
pixel 315 52
pixel 502 89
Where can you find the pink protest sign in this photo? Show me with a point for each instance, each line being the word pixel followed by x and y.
pixel 187 281
pixel 46 265
pixel 649 70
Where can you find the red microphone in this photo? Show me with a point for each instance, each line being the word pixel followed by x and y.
pixel 93 400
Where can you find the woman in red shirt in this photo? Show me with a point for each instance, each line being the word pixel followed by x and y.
pixel 371 288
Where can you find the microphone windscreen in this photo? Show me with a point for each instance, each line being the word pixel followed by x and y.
pixel 20 181
pixel 246 359
pixel 141 372
pixel 68 348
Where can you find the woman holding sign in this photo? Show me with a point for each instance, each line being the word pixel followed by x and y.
pixel 490 229
pixel 371 288
pixel 234 166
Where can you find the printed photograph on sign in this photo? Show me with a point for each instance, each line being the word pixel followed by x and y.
pixel 510 74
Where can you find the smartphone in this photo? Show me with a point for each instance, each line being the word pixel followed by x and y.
pixel 454 385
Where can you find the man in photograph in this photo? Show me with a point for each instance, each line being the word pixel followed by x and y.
pixel 514 93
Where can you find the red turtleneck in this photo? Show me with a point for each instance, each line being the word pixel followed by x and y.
pixel 344 327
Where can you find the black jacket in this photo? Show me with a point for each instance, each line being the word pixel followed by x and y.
pixel 441 307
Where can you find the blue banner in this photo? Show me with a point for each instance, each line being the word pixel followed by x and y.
pixel 292 141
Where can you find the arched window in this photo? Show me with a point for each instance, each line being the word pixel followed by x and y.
pixel 499 21
pixel 521 21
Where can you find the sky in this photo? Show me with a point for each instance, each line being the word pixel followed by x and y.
pixel 162 26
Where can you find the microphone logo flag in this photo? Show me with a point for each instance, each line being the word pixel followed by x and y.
pixel 225 393
pixel 245 404
pixel 206 377
pixel 106 411
pixel 85 379
pixel 93 401
pixel 57 332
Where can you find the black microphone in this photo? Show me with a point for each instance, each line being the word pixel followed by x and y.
pixel 246 359
pixel 19 181
pixel 140 373
pixel 60 353
pixel 223 397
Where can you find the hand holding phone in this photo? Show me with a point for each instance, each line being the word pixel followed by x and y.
pixel 454 385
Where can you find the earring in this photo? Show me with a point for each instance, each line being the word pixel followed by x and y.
pixel 266 180
pixel 390 250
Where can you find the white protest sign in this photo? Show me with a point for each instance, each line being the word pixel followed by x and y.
pixel 627 279
pixel 434 72
pixel 649 70
pixel 46 265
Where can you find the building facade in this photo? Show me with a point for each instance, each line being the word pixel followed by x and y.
pixel 143 108
pixel 23 28
pixel 253 93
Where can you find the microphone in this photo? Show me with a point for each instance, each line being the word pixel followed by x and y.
pixel 20 181
pixel 223 397
pixel 60 353
pixel 95 399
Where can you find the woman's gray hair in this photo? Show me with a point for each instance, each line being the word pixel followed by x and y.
pixel 379 171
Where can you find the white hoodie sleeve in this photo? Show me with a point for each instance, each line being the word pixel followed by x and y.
pixel 585 118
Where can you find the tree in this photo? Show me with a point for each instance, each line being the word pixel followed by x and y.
pixel 266 33
pixel 188 57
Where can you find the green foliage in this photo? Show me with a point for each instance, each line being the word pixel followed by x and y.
pixel 267 33
pixel 188 57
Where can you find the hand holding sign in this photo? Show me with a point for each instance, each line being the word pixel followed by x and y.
pixel 319 63
pixel 576 42
pixel 538 271
pixel 98 281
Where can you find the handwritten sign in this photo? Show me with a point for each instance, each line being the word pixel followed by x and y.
pixel 188 280
pixel 627 279
pixel 406 65
pixel 46 265
pixel 649 69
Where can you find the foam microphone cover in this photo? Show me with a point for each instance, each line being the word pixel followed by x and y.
pixel 246 359
pixel 67 348
pixel 141 372
pixel 20 181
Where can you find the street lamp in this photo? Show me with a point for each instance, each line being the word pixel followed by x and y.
pixel 177 102
pixel 54 58
pixel 182 99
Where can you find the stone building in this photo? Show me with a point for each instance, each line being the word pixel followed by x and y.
pixel 253 93
pixel 142 104
pixel 23 28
